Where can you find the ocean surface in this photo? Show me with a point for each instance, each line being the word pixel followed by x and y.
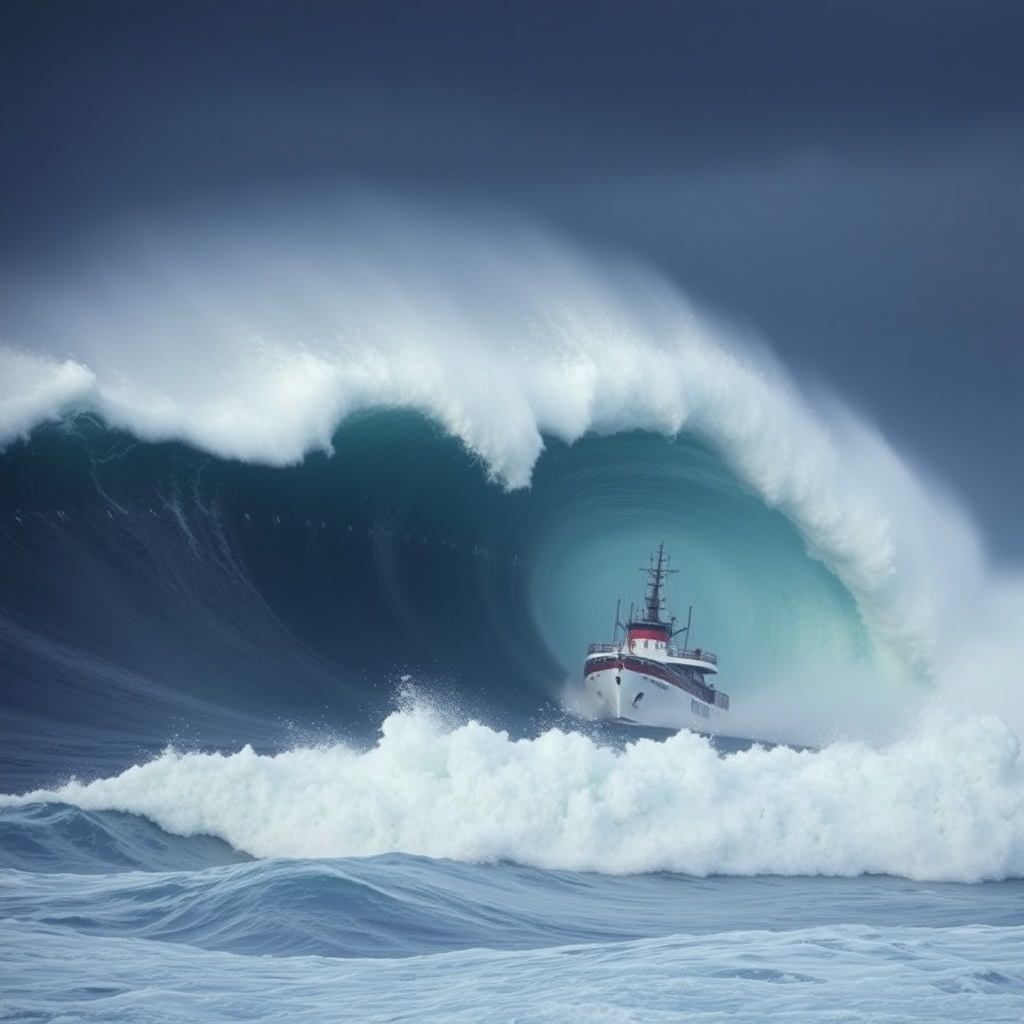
pixel 295 587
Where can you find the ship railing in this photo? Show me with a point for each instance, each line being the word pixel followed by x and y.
pixel 697 653
pixel 703 691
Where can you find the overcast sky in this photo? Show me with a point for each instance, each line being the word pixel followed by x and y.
pixel 844 178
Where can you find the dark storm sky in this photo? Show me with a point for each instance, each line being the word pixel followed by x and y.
pixel 846 178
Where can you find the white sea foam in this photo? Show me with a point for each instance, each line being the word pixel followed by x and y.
pixel 255 342
pixel 36 388
pixel 944 803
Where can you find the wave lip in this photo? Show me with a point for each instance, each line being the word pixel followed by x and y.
pixel 35 388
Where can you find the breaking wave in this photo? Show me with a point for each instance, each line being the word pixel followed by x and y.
pixel 305 424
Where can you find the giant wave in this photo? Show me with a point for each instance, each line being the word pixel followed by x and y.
pixel 256 480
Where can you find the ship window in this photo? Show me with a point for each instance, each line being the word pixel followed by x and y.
pixel 647 643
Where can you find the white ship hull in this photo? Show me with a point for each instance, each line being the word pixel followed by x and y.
pixel 639 697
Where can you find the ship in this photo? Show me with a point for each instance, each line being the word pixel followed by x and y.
pixel 644 677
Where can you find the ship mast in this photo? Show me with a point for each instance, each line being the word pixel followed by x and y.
pixel 656 575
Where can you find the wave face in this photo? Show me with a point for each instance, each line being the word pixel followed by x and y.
pixel 295 476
